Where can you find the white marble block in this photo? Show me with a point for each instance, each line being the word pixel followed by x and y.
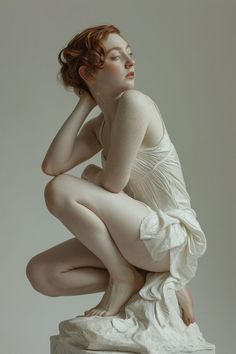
pixel 149 323
pixel 60 345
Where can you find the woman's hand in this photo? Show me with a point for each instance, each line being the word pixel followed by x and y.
pixel 85 96
pixel 91 173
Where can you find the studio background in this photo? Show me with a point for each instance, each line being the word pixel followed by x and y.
pixel 185 61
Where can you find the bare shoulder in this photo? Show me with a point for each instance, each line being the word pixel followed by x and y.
pixel 139 101
pixel 142 102
pixel 135 97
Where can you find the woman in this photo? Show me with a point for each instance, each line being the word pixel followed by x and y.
pixel 105 209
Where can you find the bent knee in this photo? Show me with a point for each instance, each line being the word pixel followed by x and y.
pixel 41 278
pixel 54 193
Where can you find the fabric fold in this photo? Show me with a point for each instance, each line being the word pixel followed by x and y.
pixel 151 321
pixel 179 232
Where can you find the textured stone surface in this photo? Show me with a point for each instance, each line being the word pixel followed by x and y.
pixel 60 345
pixel 149 323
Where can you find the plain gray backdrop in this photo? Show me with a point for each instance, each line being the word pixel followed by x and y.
pixel 185 61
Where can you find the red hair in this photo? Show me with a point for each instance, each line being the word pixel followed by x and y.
pixel 85 48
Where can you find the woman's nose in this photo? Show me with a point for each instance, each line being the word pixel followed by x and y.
pixel 131 62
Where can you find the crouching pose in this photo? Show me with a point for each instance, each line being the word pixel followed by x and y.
pixel 106 207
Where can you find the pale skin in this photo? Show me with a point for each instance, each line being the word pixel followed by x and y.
pixel 105 253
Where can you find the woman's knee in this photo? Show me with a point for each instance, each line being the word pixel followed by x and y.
pixel 40 277
pixel 54 193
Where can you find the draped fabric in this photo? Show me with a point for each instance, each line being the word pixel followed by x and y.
pixel 151 321
pixel 157 180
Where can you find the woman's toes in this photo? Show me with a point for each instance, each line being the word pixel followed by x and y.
pixel 90 312
pixel 93 312
pixel 98 312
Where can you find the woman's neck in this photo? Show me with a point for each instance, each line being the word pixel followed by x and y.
pixel 108 105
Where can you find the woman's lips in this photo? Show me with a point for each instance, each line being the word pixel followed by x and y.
pixel 130 75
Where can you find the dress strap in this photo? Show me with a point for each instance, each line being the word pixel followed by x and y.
pixel 162 120
pixel 158 110
pixel 100 132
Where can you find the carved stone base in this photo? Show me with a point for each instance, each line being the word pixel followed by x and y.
pixel 149 323
pixel 59 345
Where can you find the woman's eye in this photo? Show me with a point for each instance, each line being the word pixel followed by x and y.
pixel 131 54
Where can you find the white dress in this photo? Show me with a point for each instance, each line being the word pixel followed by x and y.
pixel 151 322
pixel 157 181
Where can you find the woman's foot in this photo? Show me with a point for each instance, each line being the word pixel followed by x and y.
pixel 102 303
pixel 118 293
pixel 186 302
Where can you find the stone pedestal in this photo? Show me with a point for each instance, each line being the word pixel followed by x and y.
pixel 60 345
pixel 149 323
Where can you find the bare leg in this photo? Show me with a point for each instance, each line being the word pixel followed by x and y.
pixel 66 269
pixel 107 224
pixel 81 281
pixel 186 302
pixel 93 233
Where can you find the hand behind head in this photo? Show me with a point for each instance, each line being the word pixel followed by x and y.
pixel 85 96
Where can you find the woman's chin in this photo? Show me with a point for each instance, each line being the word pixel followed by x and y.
pixel 129 85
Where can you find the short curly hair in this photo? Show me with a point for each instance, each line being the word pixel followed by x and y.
pixel 86 48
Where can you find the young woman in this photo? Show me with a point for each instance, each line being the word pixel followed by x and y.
pixel 108 209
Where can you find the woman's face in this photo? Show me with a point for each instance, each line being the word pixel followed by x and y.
pixel 118 63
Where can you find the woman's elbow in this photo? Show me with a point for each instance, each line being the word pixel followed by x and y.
pixel 114 187
pixel 46 169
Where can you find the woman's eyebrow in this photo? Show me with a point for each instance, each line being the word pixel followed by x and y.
pixel 128 46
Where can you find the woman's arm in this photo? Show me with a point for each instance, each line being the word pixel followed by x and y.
pixel 62 145
pixel 92 173
pixel 130 125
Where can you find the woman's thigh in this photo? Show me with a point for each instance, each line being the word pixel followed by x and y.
pixel 68 255
pixel 121 214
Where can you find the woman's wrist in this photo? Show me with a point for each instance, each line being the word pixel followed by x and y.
pixel 86 99
pixel 92 173
pixel 85 106
pixel 97 178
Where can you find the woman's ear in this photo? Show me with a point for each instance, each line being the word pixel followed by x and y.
pixel 85 73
